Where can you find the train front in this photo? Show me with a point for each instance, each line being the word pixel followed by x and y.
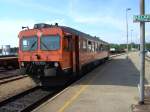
pixel 40 50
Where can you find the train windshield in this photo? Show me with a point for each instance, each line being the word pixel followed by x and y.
pixel 29 43
pixel 50 42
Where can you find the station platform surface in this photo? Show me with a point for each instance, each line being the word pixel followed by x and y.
pixel 111 87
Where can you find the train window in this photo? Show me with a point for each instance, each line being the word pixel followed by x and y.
pixel 96 46
pixel 80 43
pixel 103 47
pixel 65 44
pixel 89 42
pixel 84 44
pixel 51 42
pixel 29 43
pixel 93 47
pixel 106 48
pixel 100 47
pixel 68 44
pixel 89 45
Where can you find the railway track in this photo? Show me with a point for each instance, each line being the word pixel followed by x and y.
pixel 4 76
pixel 9 75
pixel 28 100
pixel 3 70
pixel 11 78
pixel 6 73
pixel 32 98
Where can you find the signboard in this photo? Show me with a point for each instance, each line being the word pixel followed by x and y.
pixel 141 18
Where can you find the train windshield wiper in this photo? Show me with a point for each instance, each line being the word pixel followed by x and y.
pixel 32 45
pixel 44 45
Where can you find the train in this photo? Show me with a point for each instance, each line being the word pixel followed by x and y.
pixel 48 52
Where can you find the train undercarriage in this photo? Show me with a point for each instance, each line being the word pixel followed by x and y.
pixel 51 74
pixel 46 74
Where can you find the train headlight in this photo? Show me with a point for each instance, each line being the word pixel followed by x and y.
pixel 22 64
pixel 56 64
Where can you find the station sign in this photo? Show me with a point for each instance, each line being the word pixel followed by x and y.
pixel 141 18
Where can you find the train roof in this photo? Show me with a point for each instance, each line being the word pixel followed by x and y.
pixel 76 32
pixel 70 30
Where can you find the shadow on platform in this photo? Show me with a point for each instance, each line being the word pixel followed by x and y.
pixel 121 72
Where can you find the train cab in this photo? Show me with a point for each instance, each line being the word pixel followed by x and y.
pixel 41 50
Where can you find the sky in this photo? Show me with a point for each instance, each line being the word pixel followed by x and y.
pixel 102 18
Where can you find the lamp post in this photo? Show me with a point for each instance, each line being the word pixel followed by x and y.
pixel 131 38
pixel 127 9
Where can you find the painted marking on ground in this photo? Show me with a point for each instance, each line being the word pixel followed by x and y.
pixel 81 90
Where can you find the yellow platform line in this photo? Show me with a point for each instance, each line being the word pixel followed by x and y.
pixel 82 89
pixel 62 109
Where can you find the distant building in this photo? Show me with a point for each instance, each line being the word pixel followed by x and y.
pixel 5 49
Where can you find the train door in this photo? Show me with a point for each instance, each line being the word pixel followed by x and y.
pixel 76 54
pixel 67 54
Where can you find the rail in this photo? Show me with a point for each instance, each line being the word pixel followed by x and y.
pixel 11 78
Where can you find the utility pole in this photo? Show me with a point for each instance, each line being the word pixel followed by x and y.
pixel 142 52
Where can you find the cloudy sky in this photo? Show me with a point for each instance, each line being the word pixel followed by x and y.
pixel 103 18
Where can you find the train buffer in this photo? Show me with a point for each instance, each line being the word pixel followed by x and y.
pixel 111 87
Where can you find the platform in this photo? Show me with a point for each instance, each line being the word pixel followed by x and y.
pixel 112 87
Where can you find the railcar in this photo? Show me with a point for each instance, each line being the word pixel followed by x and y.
pixel 53 51
pixel 9 61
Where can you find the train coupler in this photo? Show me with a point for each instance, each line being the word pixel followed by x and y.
pixel 50 72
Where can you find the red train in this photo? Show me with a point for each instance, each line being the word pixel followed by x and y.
pixel 48 51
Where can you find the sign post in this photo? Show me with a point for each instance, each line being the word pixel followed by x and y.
pixel 142 18
pixel 142 52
